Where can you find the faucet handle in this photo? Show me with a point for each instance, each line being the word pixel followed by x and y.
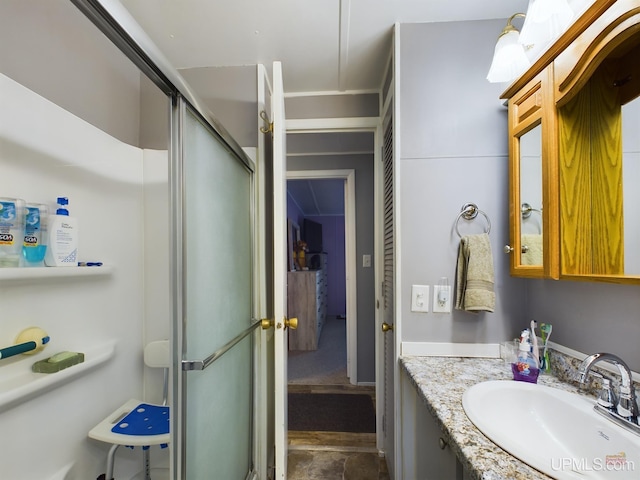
pixel 627 407
pixel 606 397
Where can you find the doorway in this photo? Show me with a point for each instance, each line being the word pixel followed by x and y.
pixel 322 205
pixel 311 158
pixel 350 154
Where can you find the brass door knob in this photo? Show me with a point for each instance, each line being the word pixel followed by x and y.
pixel 292 323
pixel 386 327
pixel 266 323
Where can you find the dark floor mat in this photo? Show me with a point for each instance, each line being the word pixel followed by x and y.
pixel 331 412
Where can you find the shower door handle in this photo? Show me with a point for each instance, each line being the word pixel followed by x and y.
pixel 188 365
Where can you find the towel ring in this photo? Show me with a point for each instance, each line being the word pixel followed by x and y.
pixel 469 212
pixel 526 210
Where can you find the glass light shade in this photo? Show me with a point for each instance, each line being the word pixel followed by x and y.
pixel 545 20
pixel 509 59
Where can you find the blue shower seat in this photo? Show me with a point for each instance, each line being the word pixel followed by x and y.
pixel 137 423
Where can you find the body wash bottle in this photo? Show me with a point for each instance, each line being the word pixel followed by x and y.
pixel 62 249
pixel 11 231
pixel 34 245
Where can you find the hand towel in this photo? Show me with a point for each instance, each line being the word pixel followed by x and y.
pixel 533 255
pixel 474 276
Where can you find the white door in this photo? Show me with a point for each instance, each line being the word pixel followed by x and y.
pixel 265 441
pixel 280 270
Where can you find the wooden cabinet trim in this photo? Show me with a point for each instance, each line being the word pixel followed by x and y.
pixel 548 56
pixel 593 46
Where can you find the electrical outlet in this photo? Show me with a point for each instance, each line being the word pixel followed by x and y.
pixel 419 298
pixel 366 261
pixel 441 298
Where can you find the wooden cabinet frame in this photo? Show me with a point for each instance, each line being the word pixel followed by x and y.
pixel 528 108
pixel 554 93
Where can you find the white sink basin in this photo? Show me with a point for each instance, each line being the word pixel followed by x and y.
pixel 553 431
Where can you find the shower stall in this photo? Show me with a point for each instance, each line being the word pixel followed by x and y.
pixel 194 261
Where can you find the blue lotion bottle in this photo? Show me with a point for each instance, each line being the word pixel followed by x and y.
pixel 62 249
pixel 34 245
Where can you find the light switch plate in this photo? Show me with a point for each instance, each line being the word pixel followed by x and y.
pixel 441 298
pixel 419 298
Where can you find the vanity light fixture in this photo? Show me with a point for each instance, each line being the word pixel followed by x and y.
pixel 509 57
pixel 545 20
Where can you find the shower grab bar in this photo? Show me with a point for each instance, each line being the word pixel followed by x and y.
pixel 188 365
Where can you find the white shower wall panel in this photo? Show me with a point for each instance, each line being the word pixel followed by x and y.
pixel 47 152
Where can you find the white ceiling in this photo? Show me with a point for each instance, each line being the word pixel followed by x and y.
pixel 324 45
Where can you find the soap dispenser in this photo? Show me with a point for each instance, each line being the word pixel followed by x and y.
pixel 525 368
pixel 62 250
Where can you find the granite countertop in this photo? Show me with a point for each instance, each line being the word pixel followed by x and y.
pixel 440 382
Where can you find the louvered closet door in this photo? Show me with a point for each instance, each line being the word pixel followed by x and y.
pixel 388 298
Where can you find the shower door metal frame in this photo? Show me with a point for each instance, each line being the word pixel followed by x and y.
pixel 117 24
pixel 178 109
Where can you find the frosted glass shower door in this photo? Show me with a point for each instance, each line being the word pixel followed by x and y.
pixel 214 341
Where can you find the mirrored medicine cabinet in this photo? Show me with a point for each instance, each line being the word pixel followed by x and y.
pixel 574 149
pixel 532 170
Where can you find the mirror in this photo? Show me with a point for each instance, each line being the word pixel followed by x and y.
pixel 631 184
pixel 599 149
pixel 531 197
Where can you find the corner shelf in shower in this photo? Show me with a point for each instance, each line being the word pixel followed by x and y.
pixel 33 273
pixel 18 383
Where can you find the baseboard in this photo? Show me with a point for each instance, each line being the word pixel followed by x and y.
pixel 436 349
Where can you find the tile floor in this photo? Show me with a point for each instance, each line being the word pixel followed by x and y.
pixel 334 455
pixel 335 465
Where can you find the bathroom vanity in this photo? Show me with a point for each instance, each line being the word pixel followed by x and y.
pixel 452 447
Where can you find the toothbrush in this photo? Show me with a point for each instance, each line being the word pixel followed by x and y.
pixel 543 334
pixel 534 342
pixel 546 328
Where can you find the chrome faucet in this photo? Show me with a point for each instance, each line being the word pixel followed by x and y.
pixel 626 411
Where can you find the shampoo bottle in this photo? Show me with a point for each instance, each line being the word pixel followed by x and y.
pixel 62 249
pixel 525 368
pixel 11 231
pixel 34 245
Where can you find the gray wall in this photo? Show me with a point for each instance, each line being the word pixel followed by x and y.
pixel 590 317
pixel 454 150
pixel 453 141
pixel 52 49
pixel 363 165
pixel 333 106
pixel 231 93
